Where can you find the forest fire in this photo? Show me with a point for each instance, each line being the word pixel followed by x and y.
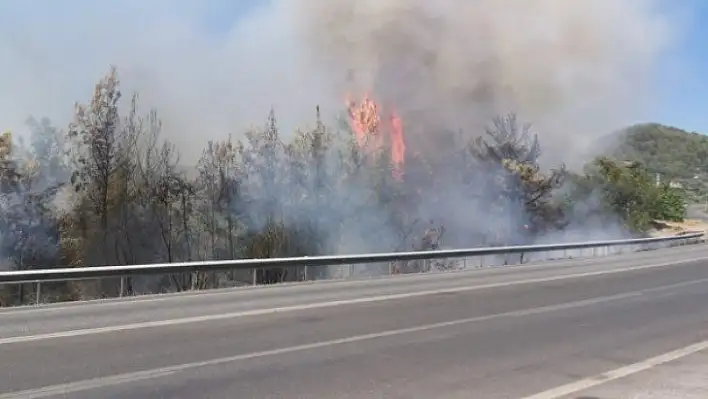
pixel 365 120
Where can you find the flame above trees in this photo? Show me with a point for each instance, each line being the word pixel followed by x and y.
pixel 365 120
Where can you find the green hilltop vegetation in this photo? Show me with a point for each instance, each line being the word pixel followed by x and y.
pixel 108 189
pixel 677 156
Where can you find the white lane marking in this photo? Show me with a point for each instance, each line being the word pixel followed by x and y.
pixel 103 382
pixel 310 306
pixel 249 289
pixel 581 385
pixel 149 298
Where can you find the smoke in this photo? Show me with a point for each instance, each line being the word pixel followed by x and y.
pixel 576 69
pixel 207 77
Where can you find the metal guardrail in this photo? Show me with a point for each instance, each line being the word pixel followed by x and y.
pixel 82 273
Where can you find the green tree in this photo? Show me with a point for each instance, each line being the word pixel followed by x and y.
pixel 628 192
pixel 671 204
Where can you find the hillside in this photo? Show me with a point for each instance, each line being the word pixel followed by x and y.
pixel 677 155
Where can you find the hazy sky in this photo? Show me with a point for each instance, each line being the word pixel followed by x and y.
pixel 215 66
pixel 210 67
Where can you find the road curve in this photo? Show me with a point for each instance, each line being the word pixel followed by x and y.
pixel 509 332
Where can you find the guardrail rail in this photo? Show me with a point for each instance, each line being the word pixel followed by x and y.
pixel 599 248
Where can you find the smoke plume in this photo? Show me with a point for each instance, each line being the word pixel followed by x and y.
pixel 575 69
pixel 211 68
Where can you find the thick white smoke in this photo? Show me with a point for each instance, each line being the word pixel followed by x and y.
pixel 211 68
pixel 575 69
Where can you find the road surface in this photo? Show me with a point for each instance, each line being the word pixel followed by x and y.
pixel 697 211
pixel 556 330
pixel 684 378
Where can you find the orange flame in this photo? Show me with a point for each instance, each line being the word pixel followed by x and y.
pixel 398 146
pixel 366 123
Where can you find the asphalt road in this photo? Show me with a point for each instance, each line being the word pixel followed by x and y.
pixel 507 332
pixel 697 211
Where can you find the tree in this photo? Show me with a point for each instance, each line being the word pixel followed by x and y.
pixel 30 232
pixel 515 187
pixel 628 192
pixel 671 205
pixel 121 195
pixel 97 157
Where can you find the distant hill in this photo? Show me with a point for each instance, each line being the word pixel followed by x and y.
pixel 677 155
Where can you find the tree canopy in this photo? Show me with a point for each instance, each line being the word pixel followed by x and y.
pixel 110 190
pixel 678 156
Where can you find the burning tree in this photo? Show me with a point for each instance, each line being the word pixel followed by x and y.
pixel 501 171
pixel 365 120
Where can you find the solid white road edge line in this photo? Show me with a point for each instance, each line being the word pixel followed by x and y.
pixel 586 383
pixel 309 306
pixel 345 283
pixel 245 290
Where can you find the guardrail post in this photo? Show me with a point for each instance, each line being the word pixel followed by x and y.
pixel 598 248
pixel 304 272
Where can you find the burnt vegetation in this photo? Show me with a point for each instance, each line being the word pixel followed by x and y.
pixel 110 190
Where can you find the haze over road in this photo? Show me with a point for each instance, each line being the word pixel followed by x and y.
pixel 697 211
pixel 509 332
